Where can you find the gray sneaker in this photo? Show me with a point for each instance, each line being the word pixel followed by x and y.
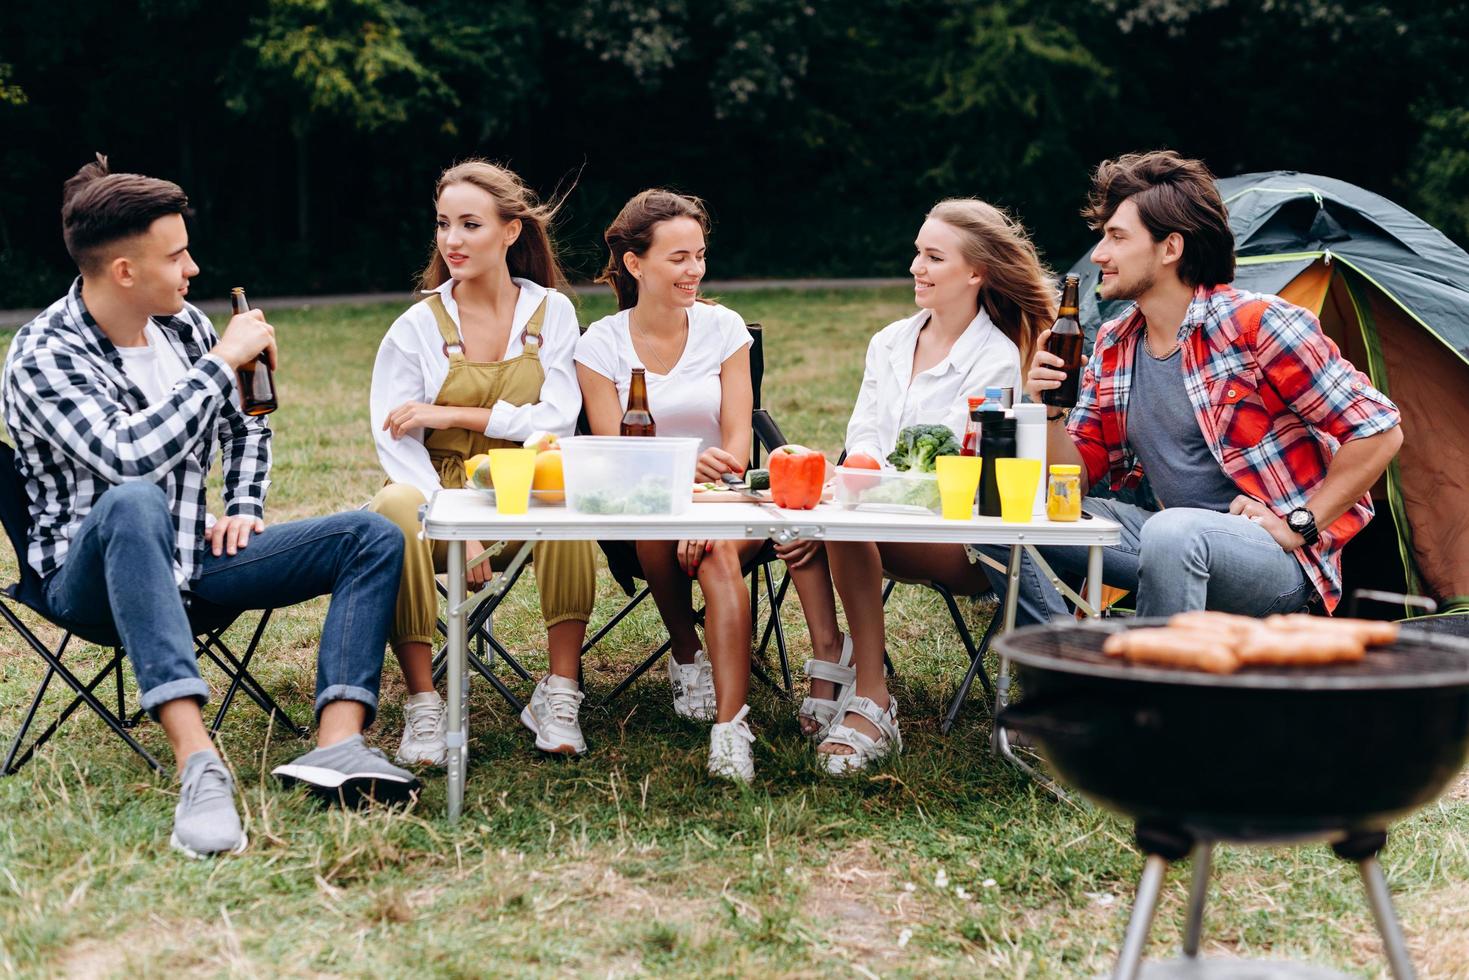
pixel 350 773
pixel 205 822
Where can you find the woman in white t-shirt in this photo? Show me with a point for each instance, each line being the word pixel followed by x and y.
pixel 983 298
pixel 696 357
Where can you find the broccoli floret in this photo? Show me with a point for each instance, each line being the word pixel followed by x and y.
pixel 650 496
pixel 919 445
pixel 600 502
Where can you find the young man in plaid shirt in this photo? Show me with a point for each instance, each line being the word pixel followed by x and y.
pixel 1259 439
pixel 117 397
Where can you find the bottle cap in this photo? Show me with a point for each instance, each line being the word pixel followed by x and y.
pixel 1065 469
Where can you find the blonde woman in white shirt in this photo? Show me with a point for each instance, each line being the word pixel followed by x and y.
pixel 485 360
pixel 983 298
pixel 696 356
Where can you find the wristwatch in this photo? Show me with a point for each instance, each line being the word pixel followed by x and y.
pixel 1303 522
pixel 1057 417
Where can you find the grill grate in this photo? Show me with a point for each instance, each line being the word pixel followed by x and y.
pixel 1415 661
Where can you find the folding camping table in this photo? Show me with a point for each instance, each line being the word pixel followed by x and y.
pixel 457 516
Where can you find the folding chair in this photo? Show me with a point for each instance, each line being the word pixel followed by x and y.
pixel 621 559
pixel 210 621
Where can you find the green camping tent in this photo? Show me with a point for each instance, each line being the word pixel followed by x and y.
pixel 1393 292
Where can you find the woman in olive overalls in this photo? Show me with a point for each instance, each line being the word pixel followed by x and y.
pixel 484 361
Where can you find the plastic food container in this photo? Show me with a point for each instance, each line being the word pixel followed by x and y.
pixel 895 491
pixel 627 475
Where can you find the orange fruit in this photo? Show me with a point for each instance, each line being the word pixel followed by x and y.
pixel 549 480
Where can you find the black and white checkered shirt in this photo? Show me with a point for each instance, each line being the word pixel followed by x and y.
pixel 80 426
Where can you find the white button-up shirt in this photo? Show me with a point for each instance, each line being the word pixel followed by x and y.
pixel 411 367
pixel 889 401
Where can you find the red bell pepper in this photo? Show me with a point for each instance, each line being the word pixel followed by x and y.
pixel 797 475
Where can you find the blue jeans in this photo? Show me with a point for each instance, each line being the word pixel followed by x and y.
pixel 126 545
pixel 1175 560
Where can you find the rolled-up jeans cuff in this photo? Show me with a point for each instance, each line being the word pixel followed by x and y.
pixel 186 687
pixel 346 692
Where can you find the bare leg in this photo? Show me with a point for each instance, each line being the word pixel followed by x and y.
pixel 340 720
pixel 564 641
pixel 671 588
pixel 416 662
pixel 857 569
pixel 727 628
pixel 812 579
pixel 183 723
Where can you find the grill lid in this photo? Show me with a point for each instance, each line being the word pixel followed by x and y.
pixel 1416 661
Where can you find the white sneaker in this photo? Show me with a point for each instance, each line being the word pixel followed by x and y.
pixel 730 755
pixel 693 688
pixel 551 714
pixel 425 725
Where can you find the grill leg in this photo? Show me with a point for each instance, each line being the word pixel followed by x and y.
pixel 1387 920
pixel 1198 894
pixel 1142 918
pixel 1362 848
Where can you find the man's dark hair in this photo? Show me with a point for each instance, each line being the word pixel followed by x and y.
pixel 99 207
pixel 1172 194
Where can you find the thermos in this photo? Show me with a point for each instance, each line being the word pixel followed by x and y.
pixel 1030 443
pixel 996 441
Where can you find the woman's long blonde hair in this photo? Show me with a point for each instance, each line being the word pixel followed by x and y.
pixel 1019 292
pixel 532 255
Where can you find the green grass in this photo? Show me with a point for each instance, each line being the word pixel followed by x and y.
pixel 631 861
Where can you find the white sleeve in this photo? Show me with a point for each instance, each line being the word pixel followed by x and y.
pixel 397 378
pixel 862 429
pixel 997 367
pixel 733 333
pixel 560 400
pixel 597 349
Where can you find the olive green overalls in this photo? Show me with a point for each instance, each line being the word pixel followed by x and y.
pixel 565 570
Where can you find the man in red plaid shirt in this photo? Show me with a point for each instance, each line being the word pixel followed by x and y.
pixel 1260 440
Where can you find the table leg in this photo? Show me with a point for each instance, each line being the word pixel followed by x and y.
pixel 1094 578
pixel 457 723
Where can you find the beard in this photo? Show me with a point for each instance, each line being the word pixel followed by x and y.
pixel 1127 290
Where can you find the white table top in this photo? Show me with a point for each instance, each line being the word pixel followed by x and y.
pixel 468 515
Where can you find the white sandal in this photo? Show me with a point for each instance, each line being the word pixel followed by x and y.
pixel 865 749
pixel 828 711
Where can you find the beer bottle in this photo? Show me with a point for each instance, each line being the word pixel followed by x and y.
pixel 1065 342
pixel 637 420
pixel 257 386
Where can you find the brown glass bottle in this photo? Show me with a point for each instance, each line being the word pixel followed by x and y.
pixel 1065 342
pixel 257 384
pixel 637 420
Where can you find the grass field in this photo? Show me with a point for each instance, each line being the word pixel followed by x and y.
pixel 630 860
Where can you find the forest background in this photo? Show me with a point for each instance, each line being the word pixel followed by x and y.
pixel 308 133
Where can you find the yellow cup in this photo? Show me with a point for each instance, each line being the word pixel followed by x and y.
pixel 958 480
pixel 1017 480
pixel 512 471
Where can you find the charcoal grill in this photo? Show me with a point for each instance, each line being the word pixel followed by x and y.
pixel 1264 755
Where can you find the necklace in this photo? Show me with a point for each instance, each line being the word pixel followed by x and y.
pixel 1148 346
pixel 652 349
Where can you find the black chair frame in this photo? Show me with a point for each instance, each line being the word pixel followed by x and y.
pixel 27 592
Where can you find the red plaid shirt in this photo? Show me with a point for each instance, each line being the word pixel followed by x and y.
pixel 1274 399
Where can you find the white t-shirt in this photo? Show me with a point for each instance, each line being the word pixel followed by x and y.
pixel 888 402
pixel 685 401
pixel 154 368
pixel 411 367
